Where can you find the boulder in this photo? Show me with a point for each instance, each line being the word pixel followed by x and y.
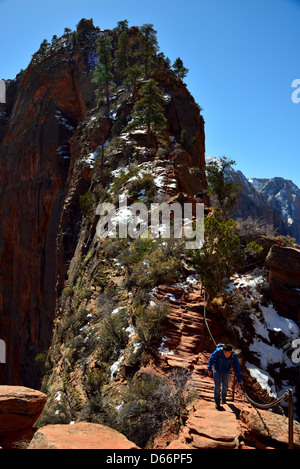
pixel 20 407
pixel 82 435
pixel 208 428
pixel 267 429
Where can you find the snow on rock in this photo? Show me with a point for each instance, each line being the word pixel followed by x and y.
pixel 163 350
pixel 263 350
pixel 262 377
pixel 90 159
pixel 116 365
pixel 63 120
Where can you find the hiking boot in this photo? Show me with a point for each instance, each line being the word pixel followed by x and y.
pixel 218 407
pixel 223 400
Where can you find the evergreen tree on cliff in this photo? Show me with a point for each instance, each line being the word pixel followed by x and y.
pixel 122 53
pixel 132 75
pixel 148 110
pixel 179 69
pixel 220 255
pixel 224 192
pixel 148 46
pixel 121 26
pixel 103 73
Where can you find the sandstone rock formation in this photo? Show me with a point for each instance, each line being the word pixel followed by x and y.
pixel 35 159
pixel 266 429
pixel 81 435
pixel 53 124
pixel 284 276
pixel 237 426
pixel 20 407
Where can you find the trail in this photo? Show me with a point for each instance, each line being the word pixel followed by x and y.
pixel 186 346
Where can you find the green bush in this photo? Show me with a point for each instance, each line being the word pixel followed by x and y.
pixel 153 270
pixel 286 241
pixel 220 255
pixel 149 323
pixel 151 401
pixel 87 203
pixel 114 336
pixel 143 184
pixel 135 251
pixel 119 181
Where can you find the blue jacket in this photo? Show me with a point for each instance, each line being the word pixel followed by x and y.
pixel 223 364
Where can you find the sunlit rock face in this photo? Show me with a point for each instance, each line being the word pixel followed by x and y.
pixel 52 124
pixel 44 110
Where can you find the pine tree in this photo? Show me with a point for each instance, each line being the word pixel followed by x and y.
pixel 220 255
pixel 103 73
pixel 133 73
pixel 162 62
pixel 148 110
pixel 67 31
pixel 43 47
pixel 224 191
pixel 122 53
pixel 179 70
pixel 54 39
pixel 121 26
pixel 148 46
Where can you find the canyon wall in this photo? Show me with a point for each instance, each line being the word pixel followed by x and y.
pixel 45 105
pixel 51 123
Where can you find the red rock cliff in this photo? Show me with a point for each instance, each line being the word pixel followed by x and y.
pixel 40 184
pixel 34 165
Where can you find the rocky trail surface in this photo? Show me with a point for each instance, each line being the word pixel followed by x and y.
pixel 188 345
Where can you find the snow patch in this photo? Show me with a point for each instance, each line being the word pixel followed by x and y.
pixel 163 350
pixel 263 378
pixel 116 365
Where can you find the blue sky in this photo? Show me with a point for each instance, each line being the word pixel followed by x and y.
pixel 242 56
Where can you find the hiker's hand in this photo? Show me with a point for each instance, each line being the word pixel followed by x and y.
pixel 210 373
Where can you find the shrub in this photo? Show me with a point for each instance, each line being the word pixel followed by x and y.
pixel 87 203
pixel 143 185
pixel 112 247
pixel 105 305
pixel 153 270
pixel 223 191
pixel 41 360
pixel 238 316
pixel 251 226
pixel 135 252
pixel 286 241
pixel 187 141
pixel 121 180
pixel 114 336
pixel 149 322
pixel 70 327
pixel 149 402
pixel 220 255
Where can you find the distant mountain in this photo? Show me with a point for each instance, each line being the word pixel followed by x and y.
pixel 274 201
pixel 284 195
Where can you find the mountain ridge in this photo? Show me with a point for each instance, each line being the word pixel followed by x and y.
pixel 274 201
pixel 283 194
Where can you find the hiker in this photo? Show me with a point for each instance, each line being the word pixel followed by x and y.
pixel 171 159
pixel 219 366
pixel 199 196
